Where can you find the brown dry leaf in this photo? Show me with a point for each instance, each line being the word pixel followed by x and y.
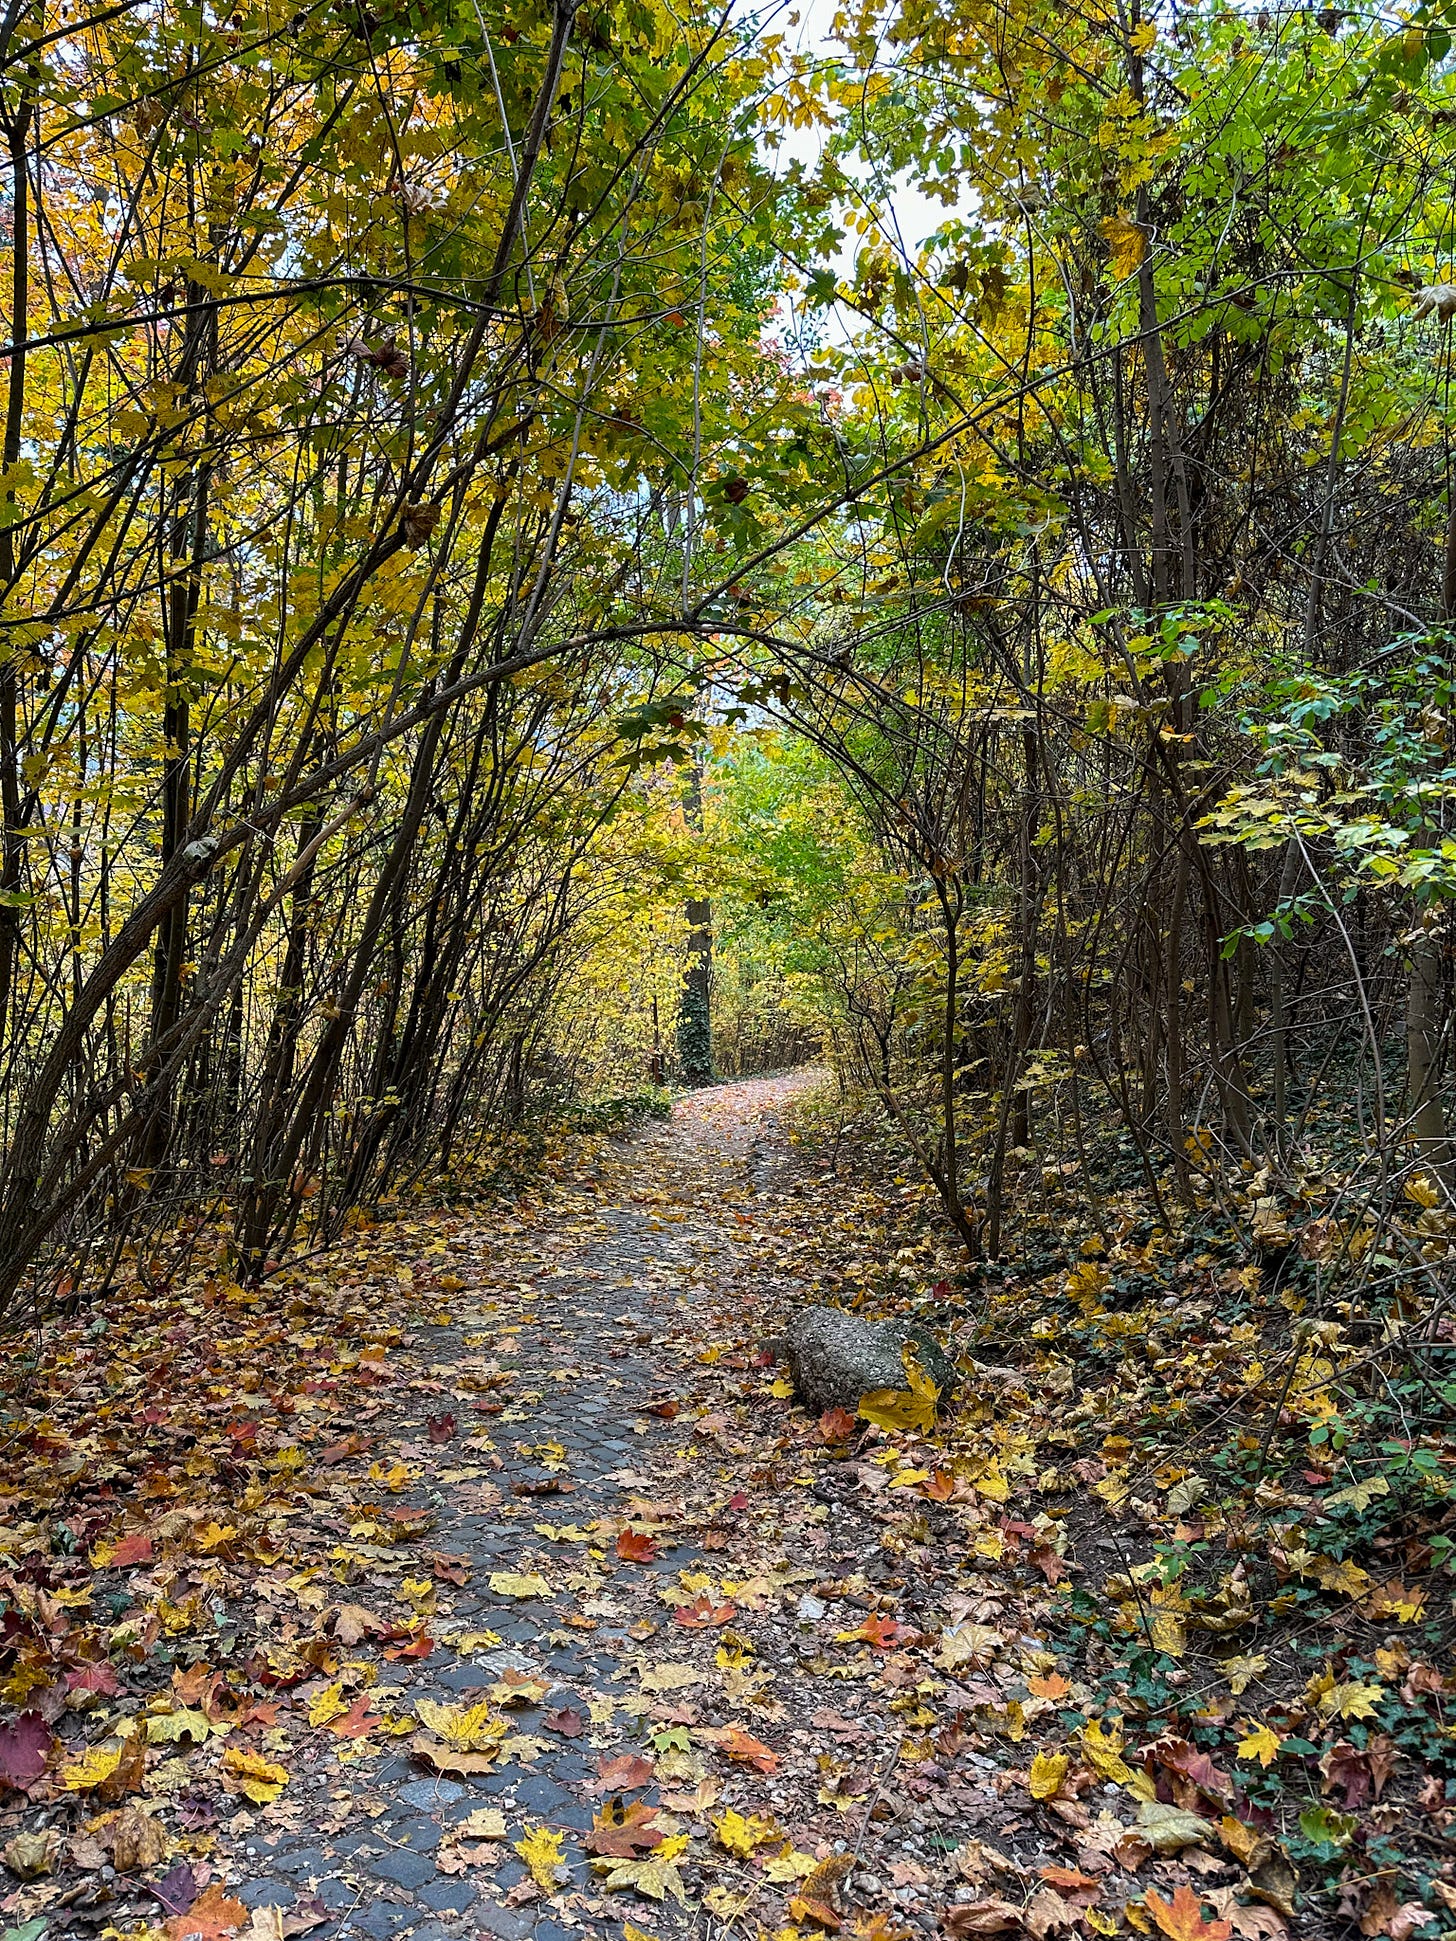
pixel 983 1917
pixel 823 1883
pixel 1251 1921
pixel 31 1855
pixel 137 1840
pixel 352 1622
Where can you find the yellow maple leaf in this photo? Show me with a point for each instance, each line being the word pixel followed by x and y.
pixel 516 1583
pixel 1126 243
pixel 789 1864
pixel 1352 1700
pixel 1113 1489
pixel 1344 1576
pixel 1259 1743
pixel 167 1728
pixel 468 1728
pixel 993 1484
pixel 1103 1751
pixel 908 1410
pixel 1243 1670
pixel 96 1765
pixel 540 1848
pixel 328 1704
pixel 741 1833
pixel 1048 1770
pixel 258 1779
pixel 419 1594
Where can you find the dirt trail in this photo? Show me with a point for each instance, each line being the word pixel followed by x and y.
pixel 597 1313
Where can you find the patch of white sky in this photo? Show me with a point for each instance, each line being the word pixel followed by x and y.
pixel 902 214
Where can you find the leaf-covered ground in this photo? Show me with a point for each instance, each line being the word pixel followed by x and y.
pixel 483 1577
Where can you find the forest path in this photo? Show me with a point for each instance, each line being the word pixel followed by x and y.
pixel 581 1325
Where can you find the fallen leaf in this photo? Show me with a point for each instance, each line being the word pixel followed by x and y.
pixel 624 1772
pixel 702 1613
pixel 31 1855
pixel 177 1889
pixel 25 1749
pixel 745 1750
pixel 1168 1829
pixel 982 1917
pixel 208 1919
pixel 540 1848
pixel 1259 1743
pixel 743 1834
pixel 515 1583
pixel 1181 1919
pixel 1048 1770
pixel 137 1841
pixel 624 1830
pixel 485 1823
pixel 256 1778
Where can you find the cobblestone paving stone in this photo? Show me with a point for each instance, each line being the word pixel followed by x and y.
pixel 592 1314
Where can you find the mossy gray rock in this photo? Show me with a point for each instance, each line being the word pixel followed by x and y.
pixel 835 1357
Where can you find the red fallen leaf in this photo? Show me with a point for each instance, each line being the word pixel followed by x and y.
pixel 1178 1756
pixel 98 1678
pixel 1049 1563
pixel 358 1720
pixel 566 1720
pixel 135 1549
pixel 338 1452
pixel 208 1919
pixel 452 1569
pixel 25 1746
pixel 738 1501
pixel 636 1547
pixel 882 1632
pixel 410 1522
pixel 667 1410
pixel 837 1425
pixel 176 1890
pixel 623 1772
pixel 624 1831
pixel 440 1428
pixel 702 1613
pixel 420 1647
pixel 748 1751
pixel 1347 1768
pixel 1073 1884
pixel 264 1715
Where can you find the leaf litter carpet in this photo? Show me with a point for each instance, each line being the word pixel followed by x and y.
pixel 482 1579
